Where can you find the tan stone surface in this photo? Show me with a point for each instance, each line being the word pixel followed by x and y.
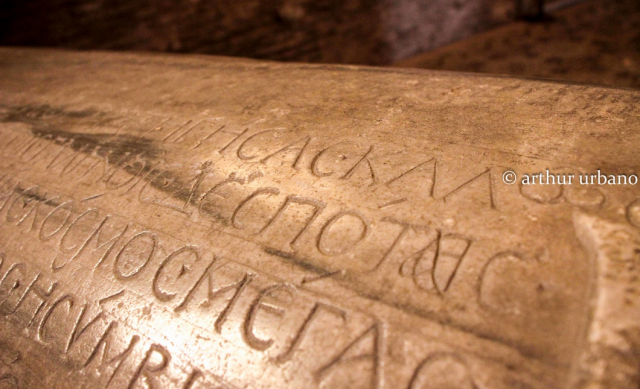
pixel 197 222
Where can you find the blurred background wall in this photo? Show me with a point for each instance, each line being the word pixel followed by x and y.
pixel 374 32
pixel 594 41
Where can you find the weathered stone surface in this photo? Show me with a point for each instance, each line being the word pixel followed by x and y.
pixel 199 222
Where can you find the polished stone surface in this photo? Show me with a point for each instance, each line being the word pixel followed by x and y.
pixel 192 222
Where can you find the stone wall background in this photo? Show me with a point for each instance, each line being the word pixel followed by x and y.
pixel 596 42
pixel 375 32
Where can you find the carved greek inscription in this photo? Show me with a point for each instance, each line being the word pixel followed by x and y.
pixel 183 278
pixel 315 168
pixel 56 220
pixel 91 341
pixel 100 243
pixel 34 212
pixel 351 159
pixel 343 152
pixel 195 376
pixel 131 252
pixel 233 140
pixel 208 206
pixel 36 299
pixel 316 311
pixel 109 350
pixel 434 270
pixel 366 347
pixel 247 201
pixel 101 238
pixel 83 325
pixel 39 293
pixel 297 148
pixel 417 169
pixel 359 160
pixel 241 152
pixel 258 306
pixel 442 370
pixel 206 280
pixel 305 211
pixel 109 357
pixel 589 197
pixel 135 255
pixel 126 173
pixel 159 125
pixel 177 196
pixel 476 180
pixel 440 260
pixel 155 361
pixel 205 138
pixel 54 314
pixel 68 156
pixel 172 269
pixel 175 136
pixel 11 284
pixel 39 149
pixel 331 244
pixel 316 208
pixel 83 222
pixel 366 163
pixel 431 265
pixel 22 206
